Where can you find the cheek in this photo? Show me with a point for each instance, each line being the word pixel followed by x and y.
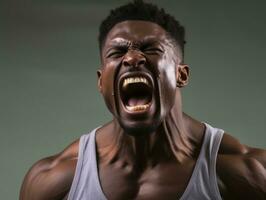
pixel 108 75
pixel 167 72
pixel 108 78
pixel 108 86
pixel 107 81
pixel 167 82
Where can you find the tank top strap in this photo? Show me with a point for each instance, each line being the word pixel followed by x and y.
pixel 83 142
pixel 215 138
pixel 85 184
pixel 203 182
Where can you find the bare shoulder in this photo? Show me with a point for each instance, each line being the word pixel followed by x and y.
pixel 241 170
pixel 51 177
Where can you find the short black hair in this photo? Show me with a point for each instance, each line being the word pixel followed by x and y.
pixel 139 10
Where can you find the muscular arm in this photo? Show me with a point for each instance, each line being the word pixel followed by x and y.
pixel 241 170
pixel 51 177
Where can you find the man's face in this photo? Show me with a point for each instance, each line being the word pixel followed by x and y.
pixel 139 74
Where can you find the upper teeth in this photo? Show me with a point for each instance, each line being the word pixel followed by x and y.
pixel 135 80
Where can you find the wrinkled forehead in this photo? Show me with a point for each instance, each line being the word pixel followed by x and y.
pixel 135 31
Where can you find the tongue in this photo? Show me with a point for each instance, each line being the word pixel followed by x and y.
pixel 137 101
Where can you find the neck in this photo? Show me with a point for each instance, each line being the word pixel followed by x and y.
pixel 169 141
pixel 147 149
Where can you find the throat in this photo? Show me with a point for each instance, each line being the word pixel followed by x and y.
pixel 146 150
pixel 136 96
pixel 137 104
pixel 134 101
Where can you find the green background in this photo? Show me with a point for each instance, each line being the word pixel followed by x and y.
pixel 48 62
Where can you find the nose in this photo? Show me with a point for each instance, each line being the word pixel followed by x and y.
pixel 134 59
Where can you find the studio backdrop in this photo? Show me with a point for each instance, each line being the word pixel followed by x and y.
pixel 48 61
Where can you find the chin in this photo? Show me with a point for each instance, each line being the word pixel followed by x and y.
pixel 138 128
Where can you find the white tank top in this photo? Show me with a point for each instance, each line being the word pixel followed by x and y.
pixel 202 184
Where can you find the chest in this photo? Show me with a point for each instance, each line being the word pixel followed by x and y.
pixel 165 181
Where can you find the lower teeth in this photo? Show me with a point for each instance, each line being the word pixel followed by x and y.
pixel 138 107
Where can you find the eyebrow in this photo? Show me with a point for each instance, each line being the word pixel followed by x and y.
pixel 121 42
pixel 150 41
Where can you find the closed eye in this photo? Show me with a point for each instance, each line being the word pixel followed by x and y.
pixel 152 50
pixel 115 53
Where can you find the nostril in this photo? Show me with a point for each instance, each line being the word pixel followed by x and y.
pixel 126 63
pixel 134 60
pixel 134 64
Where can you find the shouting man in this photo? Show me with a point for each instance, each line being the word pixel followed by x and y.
pixel 151 149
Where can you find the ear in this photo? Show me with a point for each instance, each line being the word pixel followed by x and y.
pixel 182 75
pixel 99 84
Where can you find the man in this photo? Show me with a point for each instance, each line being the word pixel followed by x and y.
pixel 151 149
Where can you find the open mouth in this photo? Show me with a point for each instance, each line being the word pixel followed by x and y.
pixel 136 93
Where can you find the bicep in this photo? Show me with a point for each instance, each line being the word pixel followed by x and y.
pixel 259 155
pixel 47 180
pixel 243 175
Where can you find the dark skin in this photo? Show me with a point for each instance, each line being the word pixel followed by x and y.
pixel 136 159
